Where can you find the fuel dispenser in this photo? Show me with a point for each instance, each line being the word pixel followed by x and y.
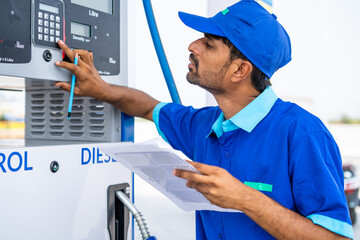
pixel 59 185
pixel 28 49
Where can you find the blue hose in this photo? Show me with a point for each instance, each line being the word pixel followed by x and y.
pixel 160 52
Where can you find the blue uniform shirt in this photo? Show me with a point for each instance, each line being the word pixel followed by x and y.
pixel 273 146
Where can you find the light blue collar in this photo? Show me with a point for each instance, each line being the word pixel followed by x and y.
pixel 248 117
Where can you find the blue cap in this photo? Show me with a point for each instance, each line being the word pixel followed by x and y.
pixel 252 30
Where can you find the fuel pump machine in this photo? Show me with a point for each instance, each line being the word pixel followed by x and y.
pixel 28 48
pixel 59 185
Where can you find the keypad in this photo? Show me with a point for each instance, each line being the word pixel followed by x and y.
pixel 48 27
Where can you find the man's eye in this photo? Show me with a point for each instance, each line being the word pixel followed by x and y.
pixel 208 45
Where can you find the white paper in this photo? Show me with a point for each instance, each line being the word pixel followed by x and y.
pixel 155 165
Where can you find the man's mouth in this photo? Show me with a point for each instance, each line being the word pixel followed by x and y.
pixel 193 61
pixel 191 64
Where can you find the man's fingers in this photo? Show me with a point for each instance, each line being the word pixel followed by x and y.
pixel 202 188
pixel 191 184
pixel 203 168
pixel 91 57
pixel 63 85
pixel 67 87
pixel 69 66
pixel 82 53
pixel 191 176
pixel 84 56
pixel 66 50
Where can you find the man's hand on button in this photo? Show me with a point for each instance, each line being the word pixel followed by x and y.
pixel 88 80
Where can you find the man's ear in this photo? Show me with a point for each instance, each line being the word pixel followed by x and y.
pixel 241 69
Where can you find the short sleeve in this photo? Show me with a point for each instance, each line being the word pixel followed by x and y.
pixel 156 116
pixel 182 126
pixel 315 169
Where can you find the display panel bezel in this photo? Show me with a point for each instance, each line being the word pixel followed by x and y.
pixel 89 4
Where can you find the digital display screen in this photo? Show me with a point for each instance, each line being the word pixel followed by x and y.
pixel 101 5
pixel 48 8
pixel 80 29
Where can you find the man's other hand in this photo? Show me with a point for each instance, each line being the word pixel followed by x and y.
pixel 216 184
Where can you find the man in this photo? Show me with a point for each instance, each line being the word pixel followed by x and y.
pixel 270 159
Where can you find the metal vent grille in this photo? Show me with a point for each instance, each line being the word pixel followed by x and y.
pixel 97 118
pixel 77 120
pixel 39 84
pixel 91 119
pixel 56 118
pixel 37 114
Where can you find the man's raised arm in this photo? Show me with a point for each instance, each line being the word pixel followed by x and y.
pixel 89 83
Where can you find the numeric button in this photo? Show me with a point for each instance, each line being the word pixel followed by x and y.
pixel 40 22
pixel 46 16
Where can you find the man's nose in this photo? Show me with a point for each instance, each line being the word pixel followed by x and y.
pixel 194 47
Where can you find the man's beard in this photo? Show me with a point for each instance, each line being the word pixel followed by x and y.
pixel 210 81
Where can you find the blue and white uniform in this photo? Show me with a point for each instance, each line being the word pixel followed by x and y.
pixel 273 146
